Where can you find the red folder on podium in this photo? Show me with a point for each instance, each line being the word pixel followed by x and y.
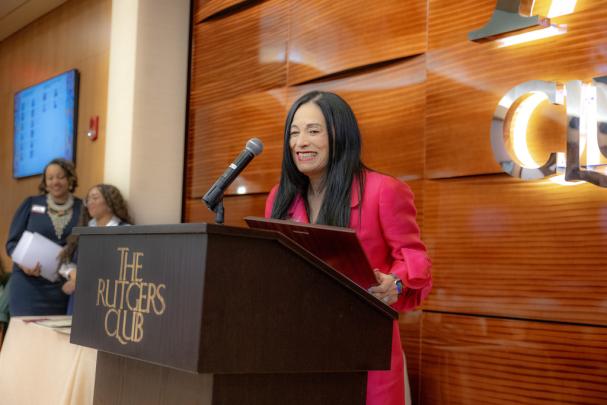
pixel 336 246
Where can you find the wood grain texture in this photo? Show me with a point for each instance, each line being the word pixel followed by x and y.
pixel 236 208
pixel 466 80
pixel 470 360
pixel 502 246
pixel 219 131
pixel 204 9
pixel 389 105
pixel 329 36
pixel 76 35
pixel 410 324
pixel 240 53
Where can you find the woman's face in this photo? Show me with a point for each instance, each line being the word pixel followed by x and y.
pixel 96 204
pixel 309 140
pixel 57 183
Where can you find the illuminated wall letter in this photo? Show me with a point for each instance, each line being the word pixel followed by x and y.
pixel 524 98
pixel 506 18
pixel 585 106
pixel 601 114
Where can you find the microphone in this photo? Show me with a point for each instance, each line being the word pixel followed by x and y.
pixel 253 148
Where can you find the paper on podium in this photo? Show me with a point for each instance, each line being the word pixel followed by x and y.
pixel 34 248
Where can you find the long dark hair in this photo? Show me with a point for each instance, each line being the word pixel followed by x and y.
pixel 115 202
pixel 343 167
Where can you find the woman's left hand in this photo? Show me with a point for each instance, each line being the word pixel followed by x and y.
pixel 70 285
pixel 386 288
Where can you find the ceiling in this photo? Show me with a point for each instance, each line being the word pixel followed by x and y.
pixel 16 14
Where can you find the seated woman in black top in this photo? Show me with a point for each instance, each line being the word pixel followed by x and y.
pixel 52 214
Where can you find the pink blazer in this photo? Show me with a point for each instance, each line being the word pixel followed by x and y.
pixel 385 224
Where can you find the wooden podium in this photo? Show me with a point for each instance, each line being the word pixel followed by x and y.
pixel 212 314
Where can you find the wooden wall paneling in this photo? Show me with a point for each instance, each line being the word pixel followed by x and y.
pixel 466 80
pixel 74 35
pixel 204 9
pixel 417 187
pixel 410 324
pixel 473 360
pixel 329 36
pixel 503 246
pixel 236 208
pixel 388 102
pixel 93 101
pixel 219 132
pixel 240 53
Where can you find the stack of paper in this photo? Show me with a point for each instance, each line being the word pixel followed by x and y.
pixel 34 248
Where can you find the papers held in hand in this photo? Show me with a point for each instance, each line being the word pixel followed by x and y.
pixel 336 246
pixel 34 248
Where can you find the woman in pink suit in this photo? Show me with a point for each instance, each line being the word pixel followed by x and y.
pixel 323 181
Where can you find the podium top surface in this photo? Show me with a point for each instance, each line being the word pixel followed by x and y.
pixel 201 227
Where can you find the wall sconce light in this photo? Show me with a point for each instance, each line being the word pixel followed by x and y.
pixel 509 27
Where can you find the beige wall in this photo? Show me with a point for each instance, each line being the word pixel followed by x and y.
pixel 147 106
pixel 75 35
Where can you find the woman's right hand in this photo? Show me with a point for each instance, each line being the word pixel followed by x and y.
pixel 35 272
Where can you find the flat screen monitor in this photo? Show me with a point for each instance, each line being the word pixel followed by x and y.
pixel 45 122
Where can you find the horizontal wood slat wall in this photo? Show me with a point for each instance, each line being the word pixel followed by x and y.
pixel 471 360
pixel 227 125
pixel 241 53
pixel 208 8
pixel 327 37
pixel 502 246
pixel 236 208
pixel 424 95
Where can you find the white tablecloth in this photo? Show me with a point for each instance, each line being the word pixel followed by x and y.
pixel 39 365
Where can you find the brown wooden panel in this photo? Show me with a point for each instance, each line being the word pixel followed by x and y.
pixel 219 131
pixel 241 53
pixel 206 8
pixel 410 335
pixel 466 80
pixel 389 104
pixel 328 36
pixel 470 360
pixel 236 208
pixel 504 246
pixel 417 186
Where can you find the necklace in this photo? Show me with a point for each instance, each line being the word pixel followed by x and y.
pixel 60 214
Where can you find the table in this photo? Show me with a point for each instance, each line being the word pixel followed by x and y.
pixel 39 365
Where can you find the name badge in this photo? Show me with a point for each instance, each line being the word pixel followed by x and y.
pixel 38 209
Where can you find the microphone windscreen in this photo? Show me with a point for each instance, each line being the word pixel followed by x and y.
pixel 255 146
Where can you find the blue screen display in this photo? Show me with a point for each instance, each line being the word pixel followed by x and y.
pixel 45 123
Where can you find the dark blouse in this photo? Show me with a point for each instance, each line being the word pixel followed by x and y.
pixel 36 295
